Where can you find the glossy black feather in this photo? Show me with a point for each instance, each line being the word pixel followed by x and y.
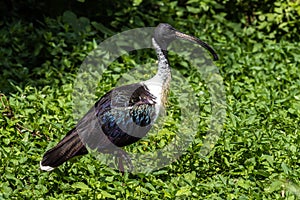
pixel 66 149
pixel 121 117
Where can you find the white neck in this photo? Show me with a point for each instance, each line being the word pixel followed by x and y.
pixel 163 74
pixel 160 83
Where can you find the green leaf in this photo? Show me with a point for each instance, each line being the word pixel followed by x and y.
pixel 80 185
pixel 184 191
pixel 275 186
pixel 69 17
pixel 285 168
pixel 107 195
pixel 102 28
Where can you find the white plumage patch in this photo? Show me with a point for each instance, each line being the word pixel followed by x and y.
pixel 45 168
pixel 155 88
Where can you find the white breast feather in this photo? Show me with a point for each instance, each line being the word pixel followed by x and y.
pixel 155 88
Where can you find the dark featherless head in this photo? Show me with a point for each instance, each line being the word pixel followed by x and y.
pixel 164 34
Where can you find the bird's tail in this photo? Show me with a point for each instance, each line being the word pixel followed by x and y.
pixel 69 147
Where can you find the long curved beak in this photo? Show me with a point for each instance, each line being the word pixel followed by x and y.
pixel 197 41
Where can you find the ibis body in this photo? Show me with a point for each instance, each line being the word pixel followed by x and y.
pixel 123 115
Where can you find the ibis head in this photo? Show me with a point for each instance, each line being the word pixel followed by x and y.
pixel 164 34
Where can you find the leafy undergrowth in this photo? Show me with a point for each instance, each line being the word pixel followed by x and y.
pixel 256 156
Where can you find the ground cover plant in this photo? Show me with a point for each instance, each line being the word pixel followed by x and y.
pixel 257 154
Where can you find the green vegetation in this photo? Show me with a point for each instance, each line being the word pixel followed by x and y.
pixel 257 155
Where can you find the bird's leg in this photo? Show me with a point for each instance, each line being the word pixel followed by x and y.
pixel 123 156
pixel 120 165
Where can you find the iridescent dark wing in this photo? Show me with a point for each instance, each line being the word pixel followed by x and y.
pixel 121 117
